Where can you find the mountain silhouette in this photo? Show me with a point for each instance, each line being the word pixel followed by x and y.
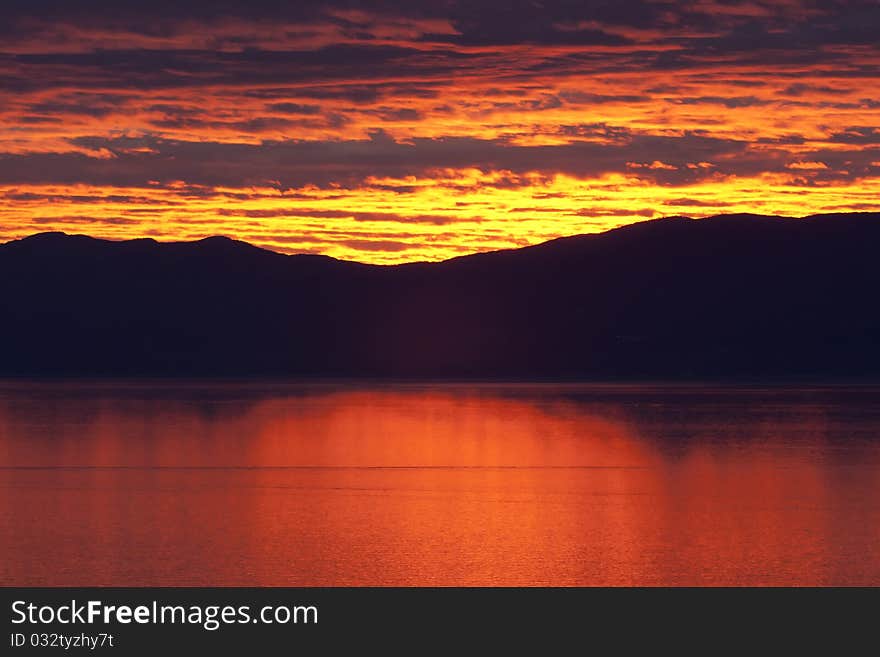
pixel 729 296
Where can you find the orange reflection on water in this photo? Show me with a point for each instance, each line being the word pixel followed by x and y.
pixel 271 484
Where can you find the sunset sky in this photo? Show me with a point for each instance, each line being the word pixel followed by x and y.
pixel 408 130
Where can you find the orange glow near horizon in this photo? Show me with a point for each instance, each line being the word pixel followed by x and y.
pixel 420 136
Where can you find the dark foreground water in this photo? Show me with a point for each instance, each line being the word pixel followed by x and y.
pixel 123 483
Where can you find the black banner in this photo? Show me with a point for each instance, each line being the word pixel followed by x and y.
pixel 118 621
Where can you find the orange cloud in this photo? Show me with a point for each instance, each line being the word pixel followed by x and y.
pixel 407 131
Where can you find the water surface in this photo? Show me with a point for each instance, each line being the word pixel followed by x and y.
pixel 136 483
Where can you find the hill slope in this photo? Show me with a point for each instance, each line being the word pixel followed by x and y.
pixel 728 296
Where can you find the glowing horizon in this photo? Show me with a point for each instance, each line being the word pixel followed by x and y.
pixel 284 251
pixel 415 131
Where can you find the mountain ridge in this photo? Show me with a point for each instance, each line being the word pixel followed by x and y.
pixel 723 297
pixel 60 236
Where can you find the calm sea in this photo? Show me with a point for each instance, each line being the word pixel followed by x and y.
pixel 262 483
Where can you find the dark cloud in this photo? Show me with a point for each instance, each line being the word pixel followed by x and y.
pixel 145 69
pixel 396 114
pixel 857 135
pixel 294 108
pixel 585 98
pixel 377 245
pixel 255 125
pixel 83 219
pixel 90 108
pixel 609 212
pixel 477 22
pixel 358 94
pixel 37 120
pixel 84 199
pixel 694 202
pixel 134 161
pixel 794 32
pixel 435 219
pixel 799 89
pixel 730 102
